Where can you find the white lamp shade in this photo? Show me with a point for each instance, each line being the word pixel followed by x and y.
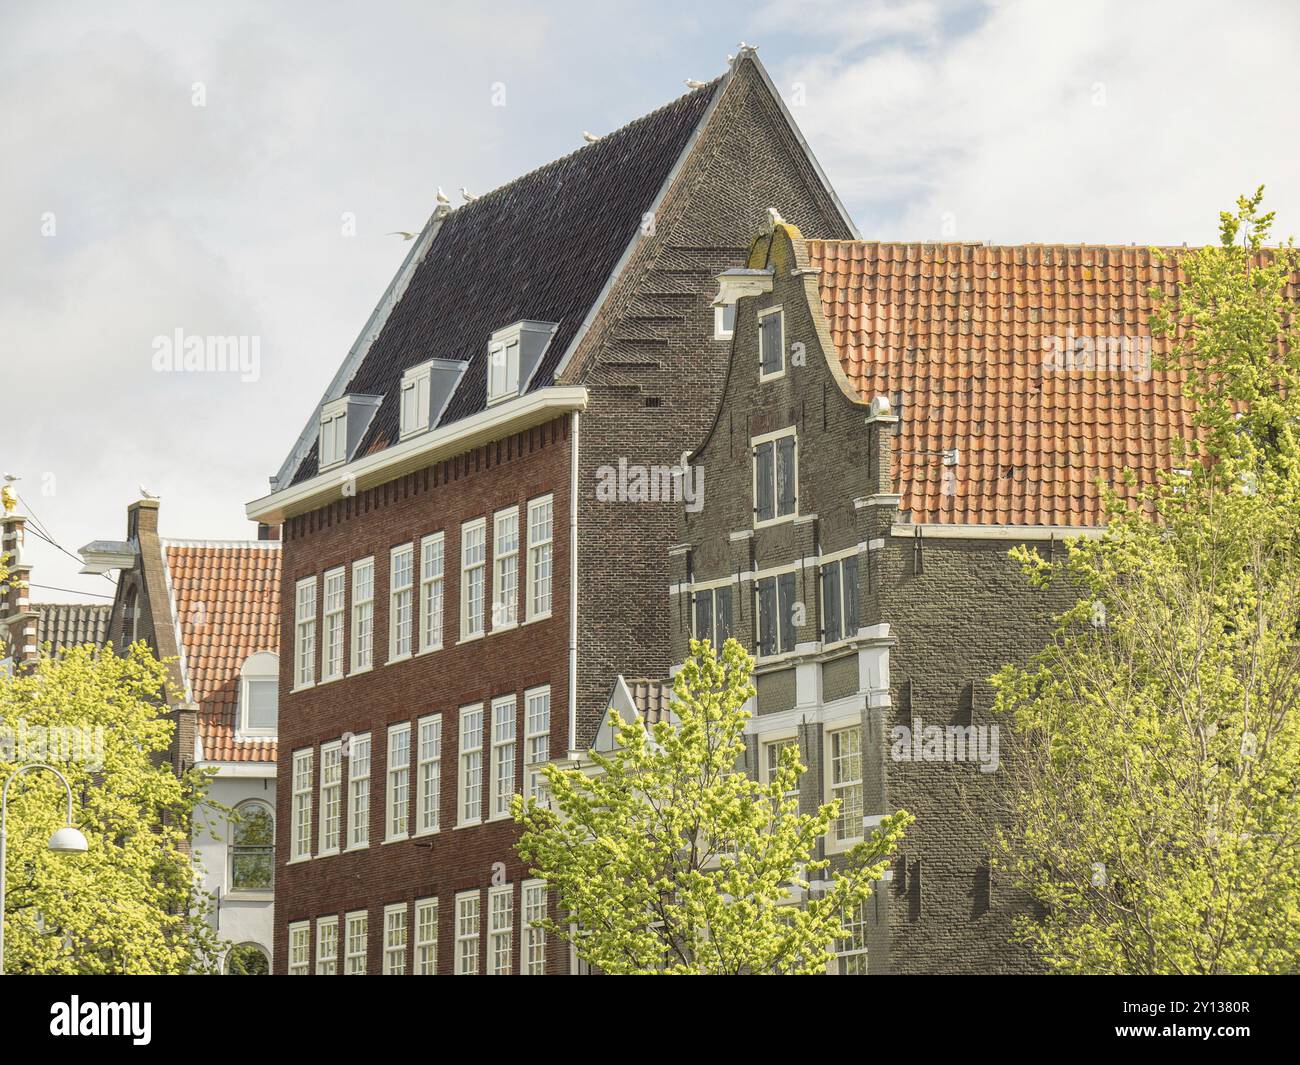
pixel 68 840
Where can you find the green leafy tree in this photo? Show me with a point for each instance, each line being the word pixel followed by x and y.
pixel 666 857
pixel 1156 787
pixel 130 904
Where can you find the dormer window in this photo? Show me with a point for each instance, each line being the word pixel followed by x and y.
pixel 513 354
pixel 503 370
pixel 333 438
pixel 259 695
pixel 415 399
pixel 342 424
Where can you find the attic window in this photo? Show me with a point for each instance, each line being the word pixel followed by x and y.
pixel 724 321
pixel 415 399
pixel 333 437
pixel 503 371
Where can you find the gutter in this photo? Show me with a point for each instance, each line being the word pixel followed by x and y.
pixel 573 589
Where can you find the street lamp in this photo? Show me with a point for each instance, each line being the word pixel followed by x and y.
pixel 66 840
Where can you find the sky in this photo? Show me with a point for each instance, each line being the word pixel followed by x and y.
pixel 236 169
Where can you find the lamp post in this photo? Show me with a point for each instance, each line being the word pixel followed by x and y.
pixel 66 840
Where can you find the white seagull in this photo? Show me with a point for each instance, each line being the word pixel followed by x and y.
pixel 691 83
pixel 402 233
pixel 443 198
pixel 469 196
pixel 146 494
pixel 590 138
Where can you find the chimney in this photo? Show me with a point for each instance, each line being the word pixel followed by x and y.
pixel 141 517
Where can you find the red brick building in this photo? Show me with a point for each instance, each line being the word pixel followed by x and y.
pixel 459 592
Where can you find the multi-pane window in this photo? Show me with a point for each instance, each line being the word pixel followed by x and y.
pixel 400 595
pixel 304 644
pixel 537 735
pixel 414 414
pixel 331 667
pixel 359 792
pixel 431 577
pixel 776 477
pixel 331 797
pixel 503 371
pixel 846 782
pixel 533 946
pixel 851 952
pixel 467 933
pixel 299 948
pixel 840 599
pixel 428 769
pixel 333 439
pixel 505 561
pixel 775 613
pixel 363 614
pixel 327 946
pixel 501 919
pixel 503 755
pixel 541 544
pixel 771 356
pixel 354 951
pixel 395 940
pixel 426 937
pixel 772 761
pixel 399 780
pixel 473 577
pixel 713 616
pixel 252 854
pixel 300 814
pixel 471 764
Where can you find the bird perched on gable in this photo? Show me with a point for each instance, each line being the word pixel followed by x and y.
pixel 691 83
pixel 402 233
pixel 443 198
pixel 469 196
pixel 590 138
pixel 774 216
pixel 146 494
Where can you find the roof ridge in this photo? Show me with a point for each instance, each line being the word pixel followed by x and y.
pixel 257 545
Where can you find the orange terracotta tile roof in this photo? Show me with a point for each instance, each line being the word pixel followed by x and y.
pixel 226 596
pixel 964 331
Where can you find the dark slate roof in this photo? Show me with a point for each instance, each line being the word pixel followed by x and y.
pixel 540 248
pixel 71 624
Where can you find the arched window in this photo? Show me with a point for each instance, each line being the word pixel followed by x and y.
pixel 259 694
pixel 247 959
pixel 252 854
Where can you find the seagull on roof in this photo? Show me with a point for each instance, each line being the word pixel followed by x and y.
pixel 746 47
pixel 691 83
pixel 469 196
pixel 146 494
pixel 402 233
pixel 590 138
pixel 442 197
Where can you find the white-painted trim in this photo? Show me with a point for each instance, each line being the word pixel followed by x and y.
pixel 882 499
pixel 573 584
pixel 754 443
pixel 240 770
pixel 256 545
pixel 1011 533
pixel 767 312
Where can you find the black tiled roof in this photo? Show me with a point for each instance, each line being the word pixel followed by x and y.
pixel 540 248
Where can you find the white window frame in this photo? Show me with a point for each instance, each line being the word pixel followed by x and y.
pixel 476 529
pixel 428 775
pixel 768 740
pixel 773 438
pixel 333 628
pixel 532 940
pixel 833 790
pixel 358 788
pixel 300 805
pixel 470 774
pixel 304 634
pixel 505 570
pixel 414 400
pixel 263 667
pixel 503 371
pixel 501 930
pixel 536 740
pixel 853 951
pixel 331 796
pixel 332 449
pixel 720 330
pixel 327 936
pixel 300 948
pixel 401 602
pixel 397 789
pixel 539 548
pixel 711 589
pixel 836 558
pixel 433 569
pixel 396 937
pixel 505 755
pixel 363 615
pixel 763 575
pixel 468 931
pixel 767 313
pixel 424 959
pixel 355 963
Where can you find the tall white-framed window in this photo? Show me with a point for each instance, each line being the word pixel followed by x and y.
pixel 724 321
pixel 503 755
pixel 844 782
pixel 713 613
pixel 471 765
pixel 414 413
pixel 537 737
pixel 426 937
pixel 776 476
pixel 473 577
pixel 399 781
pixel 357 930
pixel 327 946
pixel 532 949
pixel 331 796
pixel 331 666
pixel 776 596
pixel 428 784
pixel 770 761
pixel 299 948
pixel 839 597
pixel 851 952
pixel 467 933
pixel 300 803
pixel 501 920
pixel 431 591
pixel 541 550
pixel 304 633
pixel 363 614
pixel 771 344
pixel 401 575
pixel 395 939
pixel 359 791
pixel 503 371
pixel 505 560
pixel 333 437
pixel 259 694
